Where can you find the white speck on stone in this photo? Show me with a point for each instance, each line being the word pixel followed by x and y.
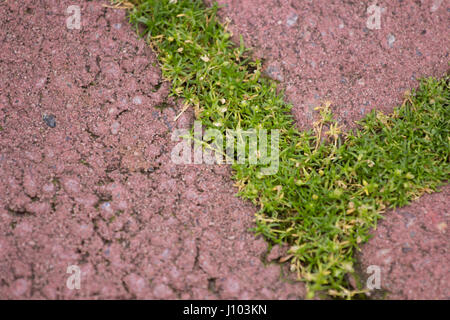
pixel 341 26
pixel 115 128
pixel 292 19
pixel 391 40
pixel 165 254
pixel 71 186
pixel 137 100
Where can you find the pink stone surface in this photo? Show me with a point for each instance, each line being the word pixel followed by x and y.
pixel 98 190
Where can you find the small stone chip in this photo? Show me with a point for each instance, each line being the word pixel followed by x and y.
pixel 390 40
pixel 50 120
pixel 291 20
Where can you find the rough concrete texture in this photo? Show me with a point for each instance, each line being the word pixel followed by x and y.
pixel 86 176
pixel 85 146
pixel 411 247
pixel 323 50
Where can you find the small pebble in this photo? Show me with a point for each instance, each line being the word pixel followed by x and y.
pixel 115 128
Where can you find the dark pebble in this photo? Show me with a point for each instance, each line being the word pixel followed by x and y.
pixel 50 120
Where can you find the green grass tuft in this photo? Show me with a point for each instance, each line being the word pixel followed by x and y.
pixel 332 186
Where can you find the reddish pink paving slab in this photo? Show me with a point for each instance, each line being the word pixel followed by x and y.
pixel 86 177
pixel 411 248
pixel 324 50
